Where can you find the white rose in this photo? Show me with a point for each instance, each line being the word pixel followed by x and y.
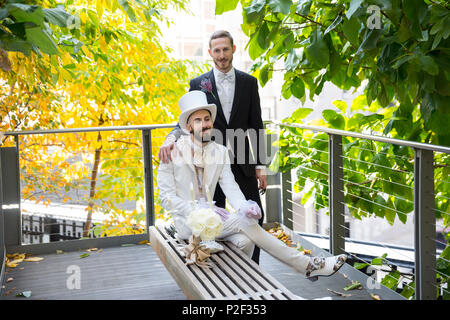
pixel 213 221
pixel 208 234
pixel 195 223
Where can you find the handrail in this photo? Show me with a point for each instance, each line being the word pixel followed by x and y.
pixel 90 129
pixel 352 134
pixel 424 217
pixel 406 143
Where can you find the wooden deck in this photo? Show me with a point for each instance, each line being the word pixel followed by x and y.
pixel 135 273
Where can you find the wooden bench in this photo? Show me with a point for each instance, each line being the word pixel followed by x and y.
pixel 234 276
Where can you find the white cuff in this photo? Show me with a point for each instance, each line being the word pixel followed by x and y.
pixel 170 138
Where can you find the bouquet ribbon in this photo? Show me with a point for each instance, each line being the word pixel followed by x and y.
pixel 196 253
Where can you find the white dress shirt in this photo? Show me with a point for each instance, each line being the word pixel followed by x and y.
pixel 225 84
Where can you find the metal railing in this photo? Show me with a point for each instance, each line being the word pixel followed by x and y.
pixel 68 225
pixel 336 187
pixel 279 200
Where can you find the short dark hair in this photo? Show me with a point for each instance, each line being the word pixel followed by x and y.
pixel 221 34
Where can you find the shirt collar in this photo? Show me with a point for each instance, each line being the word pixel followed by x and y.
pixel 229 73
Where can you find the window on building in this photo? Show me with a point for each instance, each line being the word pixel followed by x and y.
pixel 193 49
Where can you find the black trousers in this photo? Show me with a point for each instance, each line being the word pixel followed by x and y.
pixel 249 187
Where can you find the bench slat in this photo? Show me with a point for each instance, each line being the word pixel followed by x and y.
pixel 241 276
pixel 245 291
pixel 248 269
pixel 234 275
pixel 196 270
pixel 188 283
pixel 252 267
pixel 217 295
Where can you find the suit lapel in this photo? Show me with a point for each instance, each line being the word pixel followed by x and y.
pixel 237 94
pixel 216 97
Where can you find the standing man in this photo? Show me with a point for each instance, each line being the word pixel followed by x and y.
pixel 235 94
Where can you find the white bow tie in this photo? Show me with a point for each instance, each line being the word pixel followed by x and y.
pixel 225 77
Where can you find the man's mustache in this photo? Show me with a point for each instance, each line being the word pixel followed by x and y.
pixel 203 130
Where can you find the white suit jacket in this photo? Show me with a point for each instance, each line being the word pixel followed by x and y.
pixel 175 178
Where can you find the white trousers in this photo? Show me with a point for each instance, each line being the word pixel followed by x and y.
pixel 245 237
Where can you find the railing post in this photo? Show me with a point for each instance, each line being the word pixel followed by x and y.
pixel 286 191
pixel 2 233
pixel 336 194
pixel 273 210
pixel 11 196
pixel 273 198
pixel 424 226
pixel 148 177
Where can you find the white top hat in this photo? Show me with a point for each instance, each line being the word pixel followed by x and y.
pixel 191 102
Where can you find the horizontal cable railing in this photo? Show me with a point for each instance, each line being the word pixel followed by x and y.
pixel 342 185
pixel 85 182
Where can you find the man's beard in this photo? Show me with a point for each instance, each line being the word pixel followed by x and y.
pixel 202 136
pixel 218 62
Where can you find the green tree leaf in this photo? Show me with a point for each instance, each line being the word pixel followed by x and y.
pixel 334 119
pixel 58 16
pixel 26 13
pixel 298 88
pixel 318 52
pixel 354 5
pixel 292 60
pixel 429 65
pixel 225 5
pixel 41 39
pixel 282 6
pixel 300 114
pixel 127 8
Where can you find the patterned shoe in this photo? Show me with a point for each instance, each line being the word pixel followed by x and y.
pixel 324 266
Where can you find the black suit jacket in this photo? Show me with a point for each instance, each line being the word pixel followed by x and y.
pixel 245 114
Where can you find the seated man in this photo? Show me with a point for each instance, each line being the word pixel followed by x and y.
pixel 198 165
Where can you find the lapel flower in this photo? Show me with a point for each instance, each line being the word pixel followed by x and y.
pixel 206 86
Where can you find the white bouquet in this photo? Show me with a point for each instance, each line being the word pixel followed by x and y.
pixel 205 223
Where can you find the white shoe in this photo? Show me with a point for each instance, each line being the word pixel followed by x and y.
pixel 324 267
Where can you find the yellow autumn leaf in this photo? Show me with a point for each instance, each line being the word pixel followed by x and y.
pixel 33 259
pixel 10 264
pixel 103 44
pixel 99 8
pixel 66 58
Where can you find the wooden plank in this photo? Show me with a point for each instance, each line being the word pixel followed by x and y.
pixel 253 267
pixel 137 274
pixel 226 286
pixel 257 279
pixel 234 276
pixel 242 291
pixel 235 292
pixel 201 274
pixel 268 280
pixel 189 284
pixel 245 292
pixel 241 277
